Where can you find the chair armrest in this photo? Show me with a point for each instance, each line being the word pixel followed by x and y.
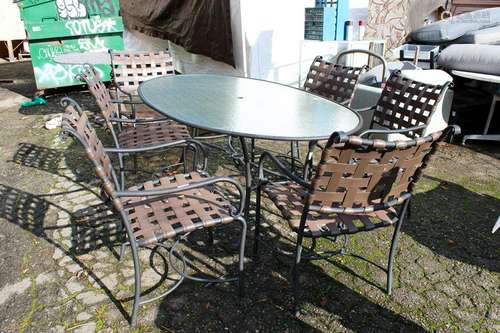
pixel 395 131
pixel 362 210
pixel 266 155
pixel 139 121
pixel 189 186
pixel 366 109
pixel 189 142
pixel 124 101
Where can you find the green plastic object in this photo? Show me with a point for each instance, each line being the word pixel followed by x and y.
pixel 82 26
pixel 39 100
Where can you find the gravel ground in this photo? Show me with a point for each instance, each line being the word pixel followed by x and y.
pixel 59 271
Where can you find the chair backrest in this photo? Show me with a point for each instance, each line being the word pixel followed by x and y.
pixel 130 69
pixel 76 123
pixel 371 57
pixel 332 81
pixel 406 103
pixel 358 175
pixel 98 89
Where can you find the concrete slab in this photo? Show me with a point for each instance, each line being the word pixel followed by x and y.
pixel 9 99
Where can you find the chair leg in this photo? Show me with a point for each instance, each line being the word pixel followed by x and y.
pixel 295 275
pixel 136 167
pixel 394 245
pixel 195 158
pixel 252 150
pixel 122 172
pixel 184 159
pixel 210 234
pixel 122 250
pixel 257 222
pixel 137 284
pixel 297 150
pixel 241 280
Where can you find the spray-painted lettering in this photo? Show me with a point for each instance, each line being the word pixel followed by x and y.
pixel 52 51
pixel 89 27
pixel 92 44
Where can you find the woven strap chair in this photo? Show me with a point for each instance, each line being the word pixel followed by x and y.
pixel 167 208
pixel 332 81
pixel 335 82
pixel 130 69
pixel 357 187
pixel 405 106
pixel 132 136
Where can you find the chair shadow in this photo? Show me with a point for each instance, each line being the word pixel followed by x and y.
pixel 267 306
pixel 456 223
pixel 49 160
pixel 95 227
pixel 28 211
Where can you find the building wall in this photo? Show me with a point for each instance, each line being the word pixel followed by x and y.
pixel 11 26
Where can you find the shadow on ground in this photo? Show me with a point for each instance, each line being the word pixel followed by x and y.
pixel 216 308
pixel 449 219
pixel 456 223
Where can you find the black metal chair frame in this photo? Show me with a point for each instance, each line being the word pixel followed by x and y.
pixel 294 147
pixel 338 139
pixel 114 197
pixel 115 118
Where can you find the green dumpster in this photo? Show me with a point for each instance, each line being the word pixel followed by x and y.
pixel 69 26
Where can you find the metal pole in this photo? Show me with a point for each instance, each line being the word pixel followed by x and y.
pixel 248 177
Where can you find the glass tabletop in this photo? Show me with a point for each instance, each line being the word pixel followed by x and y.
pixel 247 107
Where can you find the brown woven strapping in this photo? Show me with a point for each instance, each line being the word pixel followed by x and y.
pixel 154 218
pixel 163 217
pixel 152 135
pixel 137 136
pixel 130 69
pixel 406 103
pixel 359 175
pixel 334 82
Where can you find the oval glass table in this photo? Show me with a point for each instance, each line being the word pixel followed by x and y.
pixel 247 108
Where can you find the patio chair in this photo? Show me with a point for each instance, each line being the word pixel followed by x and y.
pixel 164 209
pixel 332 81
pixel 405 106
pixel 357 187
pixel 130 69
pixel 335 82
pixel 403 112
pixel 135 135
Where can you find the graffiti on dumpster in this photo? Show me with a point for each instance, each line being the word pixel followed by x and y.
pixel 102 7
pixel 74 9
pixel 91 27
pixel 71 9
pixel 95 44
pixel 92 44
pixel 51 51
pixel 56 74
